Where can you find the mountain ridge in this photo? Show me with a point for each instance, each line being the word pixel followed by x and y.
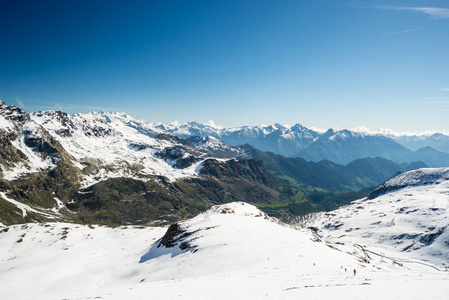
pixel 406 216
pixel 107 168
pixel 340 146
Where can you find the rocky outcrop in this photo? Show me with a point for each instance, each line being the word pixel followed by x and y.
pixel 177 236
pixel 179 157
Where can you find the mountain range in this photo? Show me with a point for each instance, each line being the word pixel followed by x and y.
pixel 342 146
pixel 109 168
pixel 68 167
pixel 109 207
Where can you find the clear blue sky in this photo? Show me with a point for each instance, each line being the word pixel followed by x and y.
pixel 322 63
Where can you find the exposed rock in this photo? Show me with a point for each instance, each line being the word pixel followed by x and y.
pixel 176 236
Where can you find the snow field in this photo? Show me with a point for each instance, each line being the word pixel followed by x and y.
pixel 50 257
pixel 409 223
pixel 238 253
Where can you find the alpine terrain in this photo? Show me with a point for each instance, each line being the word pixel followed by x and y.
pixel 404 221
pixel 341 146
pixel 109 168
pixel 109 208
pixel 229 251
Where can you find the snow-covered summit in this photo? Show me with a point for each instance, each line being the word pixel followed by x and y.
pixel 284 139
pixel 237 237
pixel 26 146
pixel 406 218
pixel 237 209
pixel 107 117
pixel 10 115
pixel 105 146
pixel 418 177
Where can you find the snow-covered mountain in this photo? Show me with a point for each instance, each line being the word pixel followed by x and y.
pixel 98 150
pixel 276 138
pixel 284 140
pixel 342 146
pixel 99 145
pixel 51 160
pixel 345 146
pixel 109 148
pixel 111 168
pixel 438 141
pixel 232 251
pixel 405 220
pixel 26 147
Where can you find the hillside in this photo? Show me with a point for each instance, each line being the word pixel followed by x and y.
pixel 234 248
pixel 329 176
pixel 61 167
pixel 111 169
pixel 406 217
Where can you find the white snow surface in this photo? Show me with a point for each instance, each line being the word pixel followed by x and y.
pixel 111 146
pixel 409 222
pixel 239 253
pixel 35 162
pixel 418 177
pixel 5 124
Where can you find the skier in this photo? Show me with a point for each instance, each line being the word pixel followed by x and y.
pixel 355 272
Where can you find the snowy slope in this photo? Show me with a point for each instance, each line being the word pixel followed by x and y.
pixel 100 145
pixel 42 258
pixel 235 251
pixel 23 144
pixel 419 177
pixel 112 149
pixel 285 140
pixel 407 217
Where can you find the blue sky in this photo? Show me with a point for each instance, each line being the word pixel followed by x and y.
pixel 322 63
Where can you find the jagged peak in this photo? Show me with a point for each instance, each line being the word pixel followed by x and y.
pixel 297 127
pixel 13 113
